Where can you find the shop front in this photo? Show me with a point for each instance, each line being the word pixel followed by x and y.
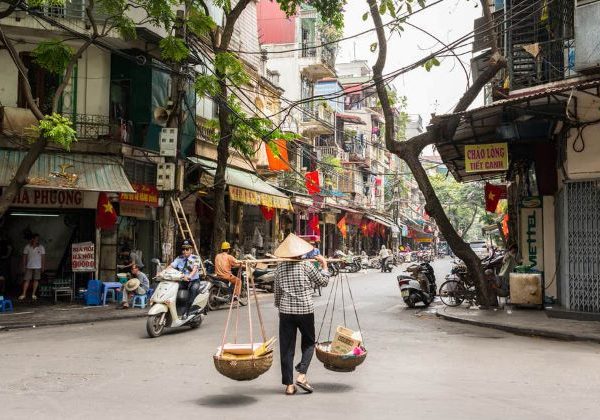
pixel 59 204
pixel 256 208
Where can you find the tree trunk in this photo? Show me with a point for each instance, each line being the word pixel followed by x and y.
pixel 220 214
pixel 410 150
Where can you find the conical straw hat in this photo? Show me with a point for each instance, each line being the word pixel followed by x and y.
pixel 292 246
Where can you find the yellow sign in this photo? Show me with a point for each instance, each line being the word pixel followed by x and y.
pixel 259 199
pixel 486 157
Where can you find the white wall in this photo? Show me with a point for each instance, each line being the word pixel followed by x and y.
pixel 10 80
pixel 93 82
pixel 584 164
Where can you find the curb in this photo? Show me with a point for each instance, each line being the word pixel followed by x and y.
pixel 524 331
pixel 67 322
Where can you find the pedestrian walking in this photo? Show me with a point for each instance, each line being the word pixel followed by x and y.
pixel 294 285
pixel 384 254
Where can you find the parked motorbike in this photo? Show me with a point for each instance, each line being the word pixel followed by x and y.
pixel 350 263
pixel 389 265
pixel 221 292
pixel 419 286
pixel 169 301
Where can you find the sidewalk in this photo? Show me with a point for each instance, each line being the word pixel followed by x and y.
pixel 31 316
pixel 531 322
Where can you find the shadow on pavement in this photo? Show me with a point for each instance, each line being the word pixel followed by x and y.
pixel 331 387
pixel 224 401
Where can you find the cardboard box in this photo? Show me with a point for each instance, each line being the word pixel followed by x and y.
pixel 345 340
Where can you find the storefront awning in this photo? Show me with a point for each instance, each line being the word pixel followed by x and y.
pixel 379 219
pixel 67 171
pixel 246 187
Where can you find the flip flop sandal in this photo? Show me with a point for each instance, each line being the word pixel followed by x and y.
pixel 291 393
pixel 305 386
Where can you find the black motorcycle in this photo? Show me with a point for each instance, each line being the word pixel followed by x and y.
pixel 221 292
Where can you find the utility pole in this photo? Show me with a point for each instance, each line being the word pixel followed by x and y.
pixel 177 95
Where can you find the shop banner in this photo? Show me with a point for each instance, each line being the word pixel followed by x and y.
pixel 259 199
pixel 132 210
pixel 56 199
pixel 144 195
pixel 486 157
pixel 83 257
pixel 532 232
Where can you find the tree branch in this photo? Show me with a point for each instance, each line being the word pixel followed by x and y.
pixel 232 18
pixel 69 71
pixel 23 71
pixel 10 9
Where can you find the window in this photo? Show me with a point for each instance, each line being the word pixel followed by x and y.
pixel 140 172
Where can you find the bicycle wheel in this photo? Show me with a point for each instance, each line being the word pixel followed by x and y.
pixel 452 293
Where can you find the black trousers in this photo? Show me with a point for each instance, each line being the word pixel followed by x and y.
pixel 193 289
pixel 288 326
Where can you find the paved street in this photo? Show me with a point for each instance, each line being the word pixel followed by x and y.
pixel 419 367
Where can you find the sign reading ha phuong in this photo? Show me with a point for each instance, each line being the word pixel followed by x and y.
pixel 486 157
pixel 83 257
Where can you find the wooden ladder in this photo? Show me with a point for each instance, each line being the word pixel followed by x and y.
pixel 184 227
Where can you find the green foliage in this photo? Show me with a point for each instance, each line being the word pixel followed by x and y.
pixel 56 129
pixel 330 164
pixel 231 67
pixel 173 49
pixel 206 85
pixel 429 64
pixel 53 56
pixel 461 201
pixel 331 11
pixel 199 23
pixel 40 3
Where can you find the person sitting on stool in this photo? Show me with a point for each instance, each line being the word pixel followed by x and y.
pixel 138 284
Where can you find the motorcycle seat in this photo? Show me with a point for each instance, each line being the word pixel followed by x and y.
pixel 218 281
pixel 259 272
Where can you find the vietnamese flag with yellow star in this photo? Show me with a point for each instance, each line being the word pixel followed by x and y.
pixel 493 194
pixel 106 215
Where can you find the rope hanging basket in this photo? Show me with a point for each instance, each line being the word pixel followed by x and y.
pixel 329 352
pixel 252 365
pixel 338 362
pixel 243 370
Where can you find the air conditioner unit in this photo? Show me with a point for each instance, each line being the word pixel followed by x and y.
pixel 587 51
pixel 165 176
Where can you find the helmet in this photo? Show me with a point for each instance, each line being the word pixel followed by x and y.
pixel 225 245
pixel 186 245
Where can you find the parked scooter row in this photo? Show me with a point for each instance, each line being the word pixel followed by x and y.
pixel 419 285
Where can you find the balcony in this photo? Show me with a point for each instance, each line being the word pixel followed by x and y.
pixel 291 181
pixel 317 119
pixel 332 151
pixel 316 62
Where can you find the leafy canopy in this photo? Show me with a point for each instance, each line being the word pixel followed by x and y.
pixel 56 129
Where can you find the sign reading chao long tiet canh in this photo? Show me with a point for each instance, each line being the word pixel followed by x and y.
pixel 486 157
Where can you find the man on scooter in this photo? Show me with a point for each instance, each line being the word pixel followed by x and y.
pixel 188 264
pixel 224 262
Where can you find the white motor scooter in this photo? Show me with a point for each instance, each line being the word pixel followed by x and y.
pixel 168 302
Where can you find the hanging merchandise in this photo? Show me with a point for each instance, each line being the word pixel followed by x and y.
pixel 342 227
pixel 244 361
pixel 257 239
pixel 347 349
pixel 277 155
pixel 312 182
pixel 106 216
pixel 267 212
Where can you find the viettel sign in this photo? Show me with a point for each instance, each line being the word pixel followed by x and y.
pixel 532 232
pixel 486 157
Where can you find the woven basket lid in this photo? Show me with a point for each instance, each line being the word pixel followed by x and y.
pixel 292 246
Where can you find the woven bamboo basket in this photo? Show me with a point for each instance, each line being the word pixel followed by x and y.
pixel 338 362
pixel 244 370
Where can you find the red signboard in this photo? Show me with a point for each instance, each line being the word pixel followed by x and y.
pixel 145 195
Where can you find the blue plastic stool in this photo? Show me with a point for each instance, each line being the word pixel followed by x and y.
pixel 94 292
pixel 110 294
pixel 6 305
pixel 149 293
pixel 139 301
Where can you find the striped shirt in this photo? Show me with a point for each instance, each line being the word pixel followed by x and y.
pixel 294 286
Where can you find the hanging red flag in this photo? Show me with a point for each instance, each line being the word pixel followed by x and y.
pixel 277 155
pixel 312 182
pixel 364 227
pixel 313 224
pixel 267 212
pixel 106 216
pixel 342 227
pixel 371 227
pixel 493 194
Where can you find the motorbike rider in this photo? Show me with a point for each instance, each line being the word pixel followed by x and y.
pixel 384 254
pixel 188 264
pixel 224 262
